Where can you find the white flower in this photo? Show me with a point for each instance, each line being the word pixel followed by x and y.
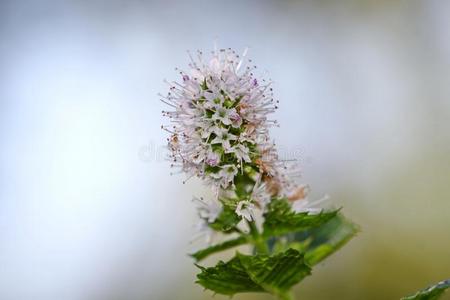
pixel 261 196
pixel 212 159
pixel 223 137
pixel 246 209
pixel 235 118
pixel 214 98
pixel 226 175
pixel 207 128
pixel 222 114
pixel 208 210
pixel 204 231
pixel 200 153
pixel 241 152
pixel 304 205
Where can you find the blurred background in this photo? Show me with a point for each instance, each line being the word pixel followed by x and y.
pixel 88 210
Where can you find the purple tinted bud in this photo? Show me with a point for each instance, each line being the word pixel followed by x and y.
pixel 235 117
pixel 212 159
pixel 185 78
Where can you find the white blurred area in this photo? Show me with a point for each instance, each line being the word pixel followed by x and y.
pixel 88 209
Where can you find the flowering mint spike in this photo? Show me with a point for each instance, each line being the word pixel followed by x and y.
pixel 433 292
pixel 219 132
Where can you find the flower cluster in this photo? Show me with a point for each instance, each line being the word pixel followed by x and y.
pixel 219 131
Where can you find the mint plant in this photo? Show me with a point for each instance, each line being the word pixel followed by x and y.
pixel 219 132
pixel 433 292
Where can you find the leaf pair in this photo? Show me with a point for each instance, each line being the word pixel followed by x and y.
pixel 286 249
pixel 274 274
pixel 317 235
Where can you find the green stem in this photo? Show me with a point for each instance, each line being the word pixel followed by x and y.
pixel 286 296
pixel 258 240
pixel 261 247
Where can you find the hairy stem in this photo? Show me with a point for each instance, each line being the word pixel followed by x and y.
pixel 258 240
pixel 261 247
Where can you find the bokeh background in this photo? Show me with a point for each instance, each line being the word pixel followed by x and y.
pixel 88 210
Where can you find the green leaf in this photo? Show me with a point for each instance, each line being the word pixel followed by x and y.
pixel 201 254
pixel 226 221
pixel 275 274
pixel 431 293
pixel 327 238
pixel 227 278
pixel 317 243
pixel 280 219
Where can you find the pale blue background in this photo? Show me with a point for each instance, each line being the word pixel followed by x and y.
pixel 87 207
